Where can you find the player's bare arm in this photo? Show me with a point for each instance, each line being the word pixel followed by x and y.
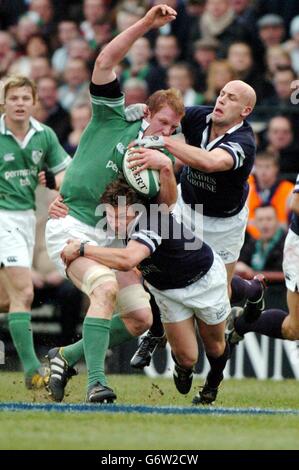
pixel 115 51
pixel 294 206
pixel 122 259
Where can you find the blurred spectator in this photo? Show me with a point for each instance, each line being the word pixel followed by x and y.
pixel 80 117
pixel 220 72
pixel 9 16
pixel 181 76
pixel 292 46
pixel 276 57
pixel 67 30
pixel 204 53
pixel 219 22
pixel 76 77
pixel 281 141
pixel 45 11
pixel 288 9
pixel 7 53
pixel 265 187
pixel 26 27
pixel 40 67
pixel 283 78
pixel 138 60
pixel 245 12
pixel 93 11
pixel 128 14
pixel 271 30
pixel 37 46
pixel 165 54
pixel 135 90
pixel 240 58
pixel 264 255
pixel 56 117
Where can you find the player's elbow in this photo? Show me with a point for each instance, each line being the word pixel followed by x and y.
pixel 103 61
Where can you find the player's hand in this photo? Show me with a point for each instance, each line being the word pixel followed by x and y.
pixel 147 158
pixel 46 178
pixel 160 15
pixel 54 279
pixel 58 209
pixel 152 141
pixel 71 252
pixel 135 112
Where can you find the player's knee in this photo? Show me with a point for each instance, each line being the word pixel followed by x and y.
pixel 186 359
pixel 25 297
pixel 100 281
pixel 215 348
pixel 139 321
pixel 133 300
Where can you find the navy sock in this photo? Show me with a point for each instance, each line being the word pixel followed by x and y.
pixel 245 290
pixel 157 327
pixel 215 376
pixel 268 324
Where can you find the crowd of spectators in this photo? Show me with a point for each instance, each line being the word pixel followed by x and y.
pixel 55 42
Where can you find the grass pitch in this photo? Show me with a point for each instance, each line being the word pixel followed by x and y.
pixel 50 430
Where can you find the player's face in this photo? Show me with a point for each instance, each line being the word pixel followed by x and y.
pixel 163 122
pixel 118 219
pixel 19 104
pixel 230 107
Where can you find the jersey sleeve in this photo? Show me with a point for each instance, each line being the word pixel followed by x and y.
pixel 107 101
pixel 296 189
pixel 56 158
pixel 238 149
pixel 147 233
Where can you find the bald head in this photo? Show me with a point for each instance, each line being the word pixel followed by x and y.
pixel 244 91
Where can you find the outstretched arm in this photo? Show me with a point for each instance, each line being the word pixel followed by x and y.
pixel 116 50
pixel 122 259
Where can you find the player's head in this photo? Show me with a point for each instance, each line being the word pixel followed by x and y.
pixel 234 103
pixel 166 109
pixel 120 202
pixel 19 98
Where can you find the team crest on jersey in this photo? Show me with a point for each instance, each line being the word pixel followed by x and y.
pixel 9 157
pixel 121 148
pixel 36 156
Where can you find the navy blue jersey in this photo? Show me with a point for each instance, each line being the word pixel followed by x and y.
pixel 223 194
pixel 295 218
pixel 177 258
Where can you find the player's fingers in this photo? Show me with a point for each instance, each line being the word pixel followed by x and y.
pixel 139 169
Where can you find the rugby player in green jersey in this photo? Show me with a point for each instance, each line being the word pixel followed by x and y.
pixel 26 146
pixel 98 162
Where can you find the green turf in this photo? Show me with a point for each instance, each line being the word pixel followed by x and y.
pixel 41 430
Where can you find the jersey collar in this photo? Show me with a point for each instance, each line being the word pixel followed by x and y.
pixel 35 126
pixel 205 144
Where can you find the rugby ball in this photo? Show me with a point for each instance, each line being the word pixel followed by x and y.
pixel 146 183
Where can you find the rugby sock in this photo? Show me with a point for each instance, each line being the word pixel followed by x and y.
pixel 95 340
pixel 118 335
pixel 243 289
pixel 215 376
pixel 21 332
pixel 156 329
pixel 268 324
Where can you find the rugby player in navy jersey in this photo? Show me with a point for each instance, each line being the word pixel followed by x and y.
pixel 185 276
pixel 218 158
pixel 273 322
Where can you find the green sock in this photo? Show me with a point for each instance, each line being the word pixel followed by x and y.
pixel 96 340
pixel 118 335
pixel 21 332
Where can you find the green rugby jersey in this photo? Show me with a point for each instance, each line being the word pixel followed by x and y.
pixel 20 163
pixel 98 159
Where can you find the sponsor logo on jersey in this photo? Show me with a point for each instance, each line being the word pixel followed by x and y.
pixel 9 157
pixel 12 259
pixel 112 165
pixel 36 156
pixel 121 148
